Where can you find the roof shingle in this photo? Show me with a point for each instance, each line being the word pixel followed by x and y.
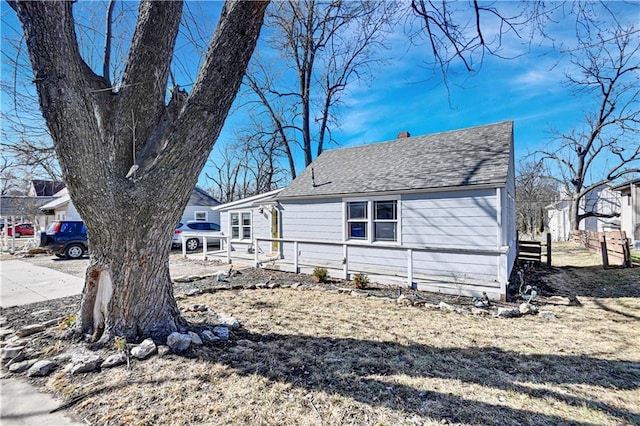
pixel 473 156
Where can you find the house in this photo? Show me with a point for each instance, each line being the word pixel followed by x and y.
pixel 45 188
pixel 601 199
pixel 243 220
pixel 630 210
pixel 24 209
pixel 436 212
pixel 61 207
pixel 198 208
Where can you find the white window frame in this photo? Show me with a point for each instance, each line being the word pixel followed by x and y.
pixel 370 238
pixel 240 225
pixel 201 212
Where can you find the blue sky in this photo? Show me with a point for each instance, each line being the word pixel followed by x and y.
pixel 407 95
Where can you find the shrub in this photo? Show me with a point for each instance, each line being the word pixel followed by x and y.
pixel 360 281
pixel 320 274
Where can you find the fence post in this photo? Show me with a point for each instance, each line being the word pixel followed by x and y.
pixel 256 257
pixel 345 260
pixel 548 250
pixel 603 248
pixel 204 247
pixel 184 247
pixel 410 268
pixel 295 257
pixel 626 250
pixel 228 242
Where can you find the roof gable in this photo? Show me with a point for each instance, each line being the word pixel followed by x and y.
pixel 199 197
pixel 461 158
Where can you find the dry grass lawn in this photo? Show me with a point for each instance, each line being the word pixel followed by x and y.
pixel 319 358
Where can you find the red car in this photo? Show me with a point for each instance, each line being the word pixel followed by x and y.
pixel 20 230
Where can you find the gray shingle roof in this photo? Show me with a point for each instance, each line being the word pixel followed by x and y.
pixel 473 156
pixel 22 206
pixel 200 197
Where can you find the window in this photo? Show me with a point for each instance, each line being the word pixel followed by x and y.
pixel 372 220
pixel 241 225
pixel 201 216
pixel 385 220
pixel 357 220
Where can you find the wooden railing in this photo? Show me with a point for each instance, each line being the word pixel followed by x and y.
pixel 532 251
pixel 614 246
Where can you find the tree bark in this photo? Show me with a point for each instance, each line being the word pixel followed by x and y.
pixel 129 161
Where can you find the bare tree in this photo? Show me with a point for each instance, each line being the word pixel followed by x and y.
pixel 327 46
pixel 534 191
pixel 126 155
pixel 604 147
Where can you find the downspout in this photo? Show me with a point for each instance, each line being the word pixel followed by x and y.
pixel 500 259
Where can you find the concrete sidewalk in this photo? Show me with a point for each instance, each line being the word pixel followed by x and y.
pixel 23 405
pixel 22 283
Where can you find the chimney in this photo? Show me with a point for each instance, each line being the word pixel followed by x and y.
pixel 403 135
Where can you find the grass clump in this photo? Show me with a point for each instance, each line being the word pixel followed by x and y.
pixel 360 281
pixel 321 274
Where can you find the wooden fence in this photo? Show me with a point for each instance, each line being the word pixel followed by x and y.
pixel 532 251
pixel 614 246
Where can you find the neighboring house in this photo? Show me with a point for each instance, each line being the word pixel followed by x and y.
pixel 45 188
pixel 24 209
pixel 599 200
pixel 198 208
pixel 61 207
pixel 251 217
pixel 441 206
pixel 630 210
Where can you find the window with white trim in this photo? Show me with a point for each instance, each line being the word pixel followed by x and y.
pixel 240 223
pixel 372 220
pixel 200 216
pixel 357 222
pixel 385 220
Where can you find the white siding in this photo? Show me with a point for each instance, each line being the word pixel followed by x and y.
pixel 455 219
pixel 313 220
pixel 189 214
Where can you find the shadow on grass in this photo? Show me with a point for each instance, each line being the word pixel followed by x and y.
pixel 586 281
pixel 363 370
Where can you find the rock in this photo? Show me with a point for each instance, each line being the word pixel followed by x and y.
pixel 250 287
pixel 40 313
pixel 404 300
pixel 222 332
pixel 179 342
pixel 21 367
pixel 479 311
pixel 444 306
pixel 10 353
pixel 86 365
pixel 356 293
pixel 195 339
pixel 144 349
pixel 209 337
pixel 199 308
pixel 228 320
pixel 548 315
pixel 527 308
pixel 114 360
pixel 41 368
pixel 30 329
pixel 508 313
pixel 193 292
pixel 3 321
pixel 296 285
pixel 163 350
pixel 273 285
pixel 4 332
pixel 559 300
pixel 431 306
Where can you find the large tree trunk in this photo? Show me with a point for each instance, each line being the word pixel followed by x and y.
pixel 129 161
